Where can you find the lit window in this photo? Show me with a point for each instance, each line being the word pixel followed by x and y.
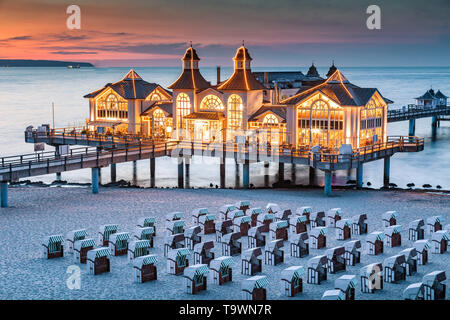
pixel 112 108
pixel 211 102
pixel 183 107
pixel 270 119
pixel 235 112
pixel 155 97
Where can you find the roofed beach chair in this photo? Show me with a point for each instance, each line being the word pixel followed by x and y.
pixel 292 280
pixel 374 243
pixel 208 223
pixel 104 232
pixel 422 247
pixel 138 248
pixel 414 291
pixel 174 216
pixel 147 222
pixel 389 218
pixel 53 246
pixel 299 245
pixel 243 205
pixel 335 259
pixel 298 224
pixel 99 260
pixel 439 241
pixel 343 231
pixel 145 233
pixel 304 211
pixel 256 238
pixel 73 236
pixel 174 241
pixel 220 270
pixel 192 237
pixel 273 254
pixel 317 219
pixel 371 278
pixel 203 252
pixel 197 213
pixel 393 237
pixel 333 295
pixel 416 230
pixel 279 230
pixel 359 225
pixel 434 285
pixel 195 278
pixel 352 252
pixel 434 224
pixel 411 260
pixel 222 228
pixel 242 225
pixel 175 227
pixel 251 262
pixel 231 244
pixel 118 243
pixel 81 249
pixel 145 268
pixel 317 269
pixel 333 216
pixel 318 238
pixel 177 260
pixel 225 209
pixel 347 284
pixel 394 268
pixel 265 220
pixel 253 213
pixel 254 288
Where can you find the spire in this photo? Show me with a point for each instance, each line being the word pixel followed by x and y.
pixel 312 72
pixel 190 58
pixel 242 58
pixel 331 70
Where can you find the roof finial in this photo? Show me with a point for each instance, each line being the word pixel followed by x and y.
pixel 333 62
pixel 243 43
pixel 191 43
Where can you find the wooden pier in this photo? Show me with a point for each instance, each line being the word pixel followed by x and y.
pixel 413 112
pixel 102 151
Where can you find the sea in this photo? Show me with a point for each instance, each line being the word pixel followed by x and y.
pixel 27 96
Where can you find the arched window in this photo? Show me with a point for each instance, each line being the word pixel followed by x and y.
pixel 270 119
pixel 155 97
pixel 211 102
pixel 112 108
pixel 159 120
pixel 183 107
pixel 235 108
pixel 371 125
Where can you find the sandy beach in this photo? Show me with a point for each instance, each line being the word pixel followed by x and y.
pixel 35 212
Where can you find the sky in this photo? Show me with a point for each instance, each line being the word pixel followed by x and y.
pixel 277 33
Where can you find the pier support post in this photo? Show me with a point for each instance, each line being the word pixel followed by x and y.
pixel 180 173
pixel 152 172
pixel 95 180
pixel 293 173
pixel 135 172
pixel 187 166
pixel 4 194
pixel 113 168
pixel 246 175
pixel 312 174
pixel 58 174
pixel 222 173
pixel 327 184
pixel 359 176
pixel 280 172
pixel 412 127
pixel 387 171
pixel 434 125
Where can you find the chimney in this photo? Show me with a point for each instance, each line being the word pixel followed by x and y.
pixel 266 78
pixel 218 74
pixel 276 96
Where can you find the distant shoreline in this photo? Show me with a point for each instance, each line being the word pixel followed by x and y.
pixel 6 63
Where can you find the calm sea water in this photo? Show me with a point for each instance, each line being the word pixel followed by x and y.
pixel 26 96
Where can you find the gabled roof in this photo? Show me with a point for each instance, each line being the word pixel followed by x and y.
pixel 279 111
pixel 440 95
pixel 190 79
pixel 429 95
pixel 338 88
pixel 132 86
pixel 312 72
pixel 166 107
pixel 241 79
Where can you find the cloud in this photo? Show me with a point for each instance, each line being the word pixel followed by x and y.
pixel 74 52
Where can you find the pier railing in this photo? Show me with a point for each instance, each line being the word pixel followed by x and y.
pixel 414 112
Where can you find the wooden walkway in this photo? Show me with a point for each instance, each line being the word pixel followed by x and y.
pixel 415 112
